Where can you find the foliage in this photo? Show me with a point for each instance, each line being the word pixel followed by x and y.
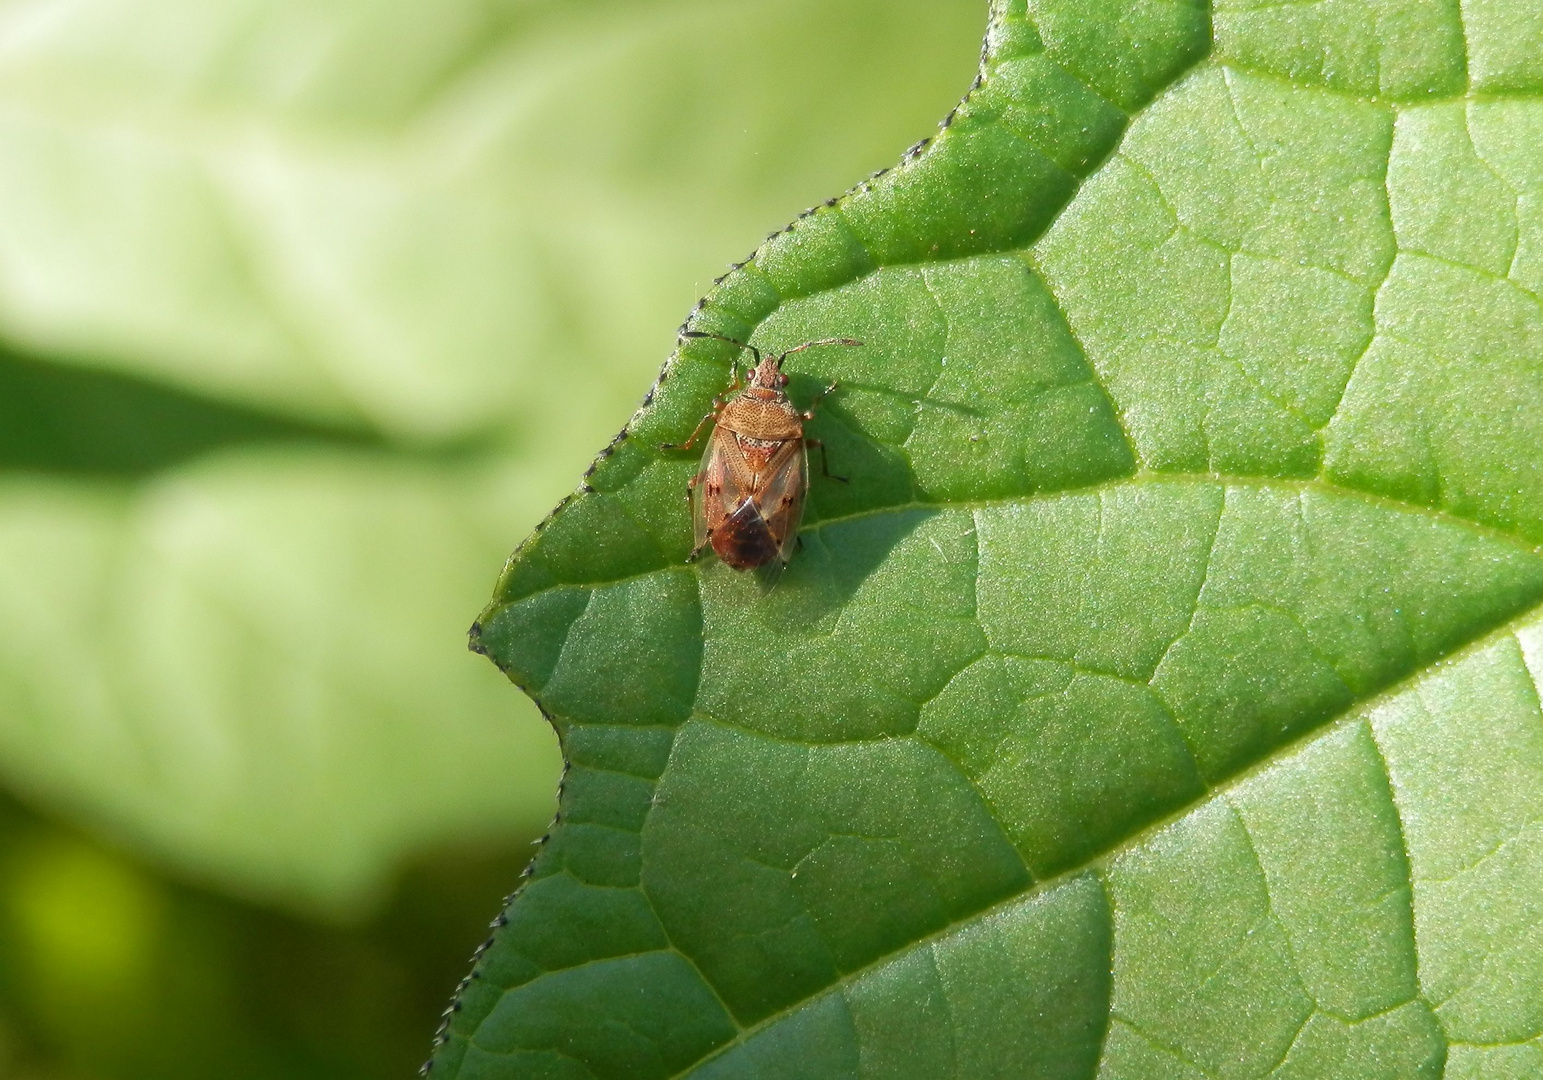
pixel 1160 698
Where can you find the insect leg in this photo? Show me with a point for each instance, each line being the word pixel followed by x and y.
pixel 696 552
pixel 713 416
pixel 821 396
pixel 824 460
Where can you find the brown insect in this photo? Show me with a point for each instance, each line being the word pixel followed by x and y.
pixel 756 469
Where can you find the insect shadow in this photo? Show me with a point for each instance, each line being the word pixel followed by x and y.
pixel 837 558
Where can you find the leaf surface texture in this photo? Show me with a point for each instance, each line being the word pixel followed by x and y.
pixel 1160 698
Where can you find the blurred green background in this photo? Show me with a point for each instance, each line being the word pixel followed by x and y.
pixel 309 310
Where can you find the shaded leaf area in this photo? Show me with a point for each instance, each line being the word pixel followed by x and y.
pixel 1160 699
pixel 63 420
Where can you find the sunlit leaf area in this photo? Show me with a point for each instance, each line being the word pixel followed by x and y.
pixel 1158 698
pixel 309 310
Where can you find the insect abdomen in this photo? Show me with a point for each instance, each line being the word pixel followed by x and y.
pixel 744 540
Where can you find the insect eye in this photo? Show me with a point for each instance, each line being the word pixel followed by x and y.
pixel 782 380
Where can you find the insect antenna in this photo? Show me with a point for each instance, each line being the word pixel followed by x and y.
pixel 719 337
pixel 811 344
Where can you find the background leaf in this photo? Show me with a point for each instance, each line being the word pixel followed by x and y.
pixel 298 300
pixel 1161 697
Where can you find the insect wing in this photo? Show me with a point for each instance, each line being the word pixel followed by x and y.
pixel 782 495
pixel 719 491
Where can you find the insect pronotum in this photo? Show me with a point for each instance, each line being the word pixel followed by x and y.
pixel 755 471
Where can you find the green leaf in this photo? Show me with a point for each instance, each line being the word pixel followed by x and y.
pixel 1160 698
pixel 297 302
